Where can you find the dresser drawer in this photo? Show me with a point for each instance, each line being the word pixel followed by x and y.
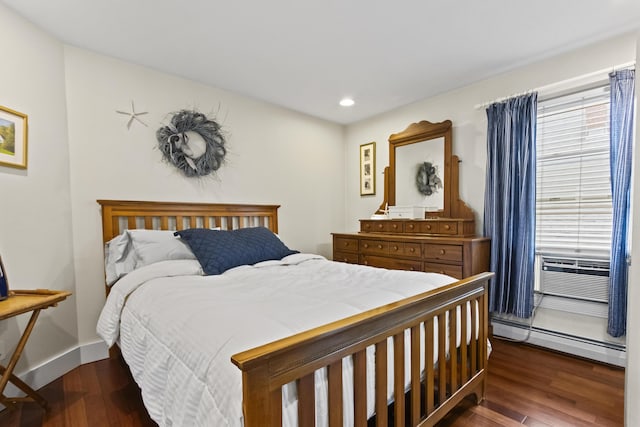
pixel 390 263
pixel 411 227
pixel 381 226
pixel 377 247
pixel 443 252
pixel 344 244
pixel 448 227
pixel 428 227
pixel 413 250
pixel 348 257
pixel 449 270
pixel 396 248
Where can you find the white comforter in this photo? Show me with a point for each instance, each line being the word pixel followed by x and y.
pixel 178 329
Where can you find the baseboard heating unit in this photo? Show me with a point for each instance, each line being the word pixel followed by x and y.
pixel 613 353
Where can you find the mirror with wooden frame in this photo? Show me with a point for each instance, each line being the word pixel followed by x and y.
pixel 423 172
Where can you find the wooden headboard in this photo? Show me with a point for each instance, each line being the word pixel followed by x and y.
pixel 119 215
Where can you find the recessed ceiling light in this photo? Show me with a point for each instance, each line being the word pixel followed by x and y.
pixel 347 102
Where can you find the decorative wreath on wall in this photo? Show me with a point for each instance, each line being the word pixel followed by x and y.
pixel 427 179
pixel 192 143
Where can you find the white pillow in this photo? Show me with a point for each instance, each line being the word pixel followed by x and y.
pixel 119 258
pixel 152 246
pixel 137 248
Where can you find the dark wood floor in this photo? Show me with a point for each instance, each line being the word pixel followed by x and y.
pixel 527 386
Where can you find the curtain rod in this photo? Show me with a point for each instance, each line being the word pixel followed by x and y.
pixel 560 83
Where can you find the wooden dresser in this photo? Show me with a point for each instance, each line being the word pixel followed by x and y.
pixel 440 240
pixel 452 253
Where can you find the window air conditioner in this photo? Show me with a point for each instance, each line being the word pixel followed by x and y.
pixel 575 278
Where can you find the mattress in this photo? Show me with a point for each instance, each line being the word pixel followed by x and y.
pixel 178 329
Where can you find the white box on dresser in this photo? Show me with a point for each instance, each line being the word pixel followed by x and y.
pixel 410 212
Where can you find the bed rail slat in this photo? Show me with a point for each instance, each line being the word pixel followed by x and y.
pixel 474 346
pixel 415 375
pixel 483 315
pixel 453 353
pixel 229 222
pixel 335 393
pixel 164 223
pixel 114 229
pixel 429 366
pixel 360 388
pixel 306 401
pixel 442 357
pixel 464 358
pixel 398 379
pixel 381 384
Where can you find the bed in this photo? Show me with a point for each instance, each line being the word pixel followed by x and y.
pixel 373 360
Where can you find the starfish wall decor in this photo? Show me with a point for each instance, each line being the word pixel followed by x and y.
pixel 132 115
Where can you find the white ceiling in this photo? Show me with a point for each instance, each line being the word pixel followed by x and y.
pixel 307 54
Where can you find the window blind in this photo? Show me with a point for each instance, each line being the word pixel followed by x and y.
pixel 573 189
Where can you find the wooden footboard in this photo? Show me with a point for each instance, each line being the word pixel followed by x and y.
pixel 431 393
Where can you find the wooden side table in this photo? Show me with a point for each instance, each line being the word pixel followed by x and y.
pixel 19 302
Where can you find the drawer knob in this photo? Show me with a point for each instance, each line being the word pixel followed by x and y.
pixel 447 226
pixel 412 250
pixel 379 246
pixel 345 260
pixel 411 226
pixel 366 262
pixel 366 245
pixel 395 248
pixel 441 272
pixel 380 226
pixel 428 226
pixel 411 269
pixel 441 251
pixel 346 244
pixel 395 225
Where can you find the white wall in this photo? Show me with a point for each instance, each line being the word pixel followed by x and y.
pixel 35 207
pixel 469 124
pixel 632 375
pixel 276 156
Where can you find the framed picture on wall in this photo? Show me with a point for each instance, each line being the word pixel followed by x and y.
pixel 13 138
pixel 368 169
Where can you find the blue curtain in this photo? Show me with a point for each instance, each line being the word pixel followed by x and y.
pixel 509 203
pixel 622 117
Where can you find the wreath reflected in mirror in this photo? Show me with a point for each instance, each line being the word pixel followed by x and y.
pixel 427 180
pixel 192 143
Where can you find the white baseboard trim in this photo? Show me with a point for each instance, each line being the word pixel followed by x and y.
pixel 41 375
pixel 93 352
pixel 563 343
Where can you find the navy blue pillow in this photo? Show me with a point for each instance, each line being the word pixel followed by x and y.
pixel 218 251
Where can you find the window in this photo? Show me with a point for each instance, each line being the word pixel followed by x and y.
pixel 573 188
